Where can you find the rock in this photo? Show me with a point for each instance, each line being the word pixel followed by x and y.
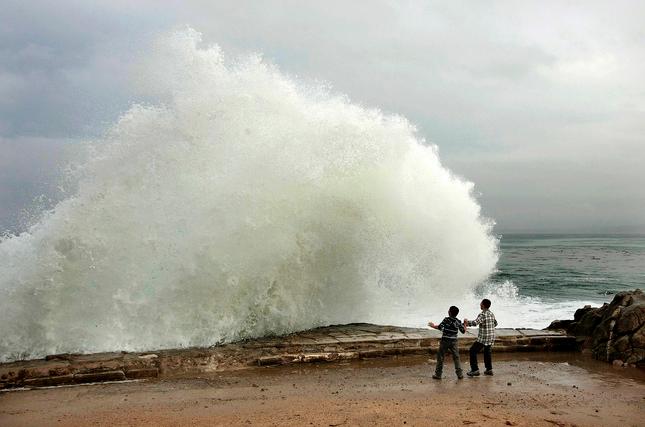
pixel 589 321
pixel 581 312
pixel 49 381
pixel 620 345
pixel 632 318
pixel 560 324
pixel 638 338
pixel 613 332
pixel 63 356
pixel 132 374
pixel 97 377
pixel 270 360
pixel 636 357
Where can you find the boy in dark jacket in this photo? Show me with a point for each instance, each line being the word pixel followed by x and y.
pixel 449 326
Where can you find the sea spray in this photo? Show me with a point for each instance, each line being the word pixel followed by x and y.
pixel 240 203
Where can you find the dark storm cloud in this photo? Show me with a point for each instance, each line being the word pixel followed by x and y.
pixel 541 104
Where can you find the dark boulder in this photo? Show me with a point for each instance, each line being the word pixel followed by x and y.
pixel 613 332
pixel 632 318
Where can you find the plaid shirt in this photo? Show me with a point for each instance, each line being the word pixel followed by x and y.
pixel 486 321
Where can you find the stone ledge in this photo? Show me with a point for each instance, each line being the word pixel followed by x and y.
pixel 328 344
pixel 95 377
pixel 134 374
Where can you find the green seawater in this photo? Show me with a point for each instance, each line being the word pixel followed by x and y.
pixel 571 267
pixel 541 278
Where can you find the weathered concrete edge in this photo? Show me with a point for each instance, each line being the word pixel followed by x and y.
pixel 330 344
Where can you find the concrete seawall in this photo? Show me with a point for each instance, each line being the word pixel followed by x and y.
pixel 327 344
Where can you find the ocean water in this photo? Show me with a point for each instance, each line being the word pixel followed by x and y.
pixel 543 277
pixel 572 267
pixel 552 275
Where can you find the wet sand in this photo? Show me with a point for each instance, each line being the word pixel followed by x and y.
pixel 561 389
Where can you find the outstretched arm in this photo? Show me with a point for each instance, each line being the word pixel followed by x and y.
pixel 480 318
pixel 440 326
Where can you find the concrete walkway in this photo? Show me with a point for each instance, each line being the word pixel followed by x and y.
pixel 331 343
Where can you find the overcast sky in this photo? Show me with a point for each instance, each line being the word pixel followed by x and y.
pixel 540 104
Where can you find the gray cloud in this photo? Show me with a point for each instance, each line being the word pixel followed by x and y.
pixel 30 178
pixel 540 104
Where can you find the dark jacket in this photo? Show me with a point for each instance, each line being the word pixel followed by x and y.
pixel 450 326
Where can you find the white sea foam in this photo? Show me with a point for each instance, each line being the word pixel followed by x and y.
pixel 511 309
pixel 242 203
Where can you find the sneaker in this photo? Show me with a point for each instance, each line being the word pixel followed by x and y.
pixel 488 372
pixel 460 377
pixel 473 373
pixel 436 377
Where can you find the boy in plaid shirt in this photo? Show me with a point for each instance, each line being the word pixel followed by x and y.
pixel 487 322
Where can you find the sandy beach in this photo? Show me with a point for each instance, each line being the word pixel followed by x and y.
pixel 562 389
